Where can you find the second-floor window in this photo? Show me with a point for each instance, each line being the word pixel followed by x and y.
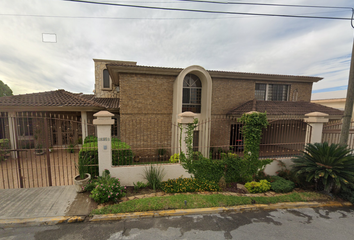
pixel 272 92
pixel 106 79
pixel 192 94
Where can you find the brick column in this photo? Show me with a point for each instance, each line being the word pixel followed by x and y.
pixel 104 122
pixel 185 118
pixel 316 121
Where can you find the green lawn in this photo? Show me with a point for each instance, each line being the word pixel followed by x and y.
pixel 202 201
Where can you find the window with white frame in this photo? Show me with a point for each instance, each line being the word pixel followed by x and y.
pixel 192 94
pixel 106 79
pixel 272 92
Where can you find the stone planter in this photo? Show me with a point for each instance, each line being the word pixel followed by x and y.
pixel 80 183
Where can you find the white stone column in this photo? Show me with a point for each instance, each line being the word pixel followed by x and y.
pixel 185 118
pixel 316 121
pixel 12 132
pixel 84 129
pixel 104 122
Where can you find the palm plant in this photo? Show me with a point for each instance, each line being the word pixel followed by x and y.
pixel 333 165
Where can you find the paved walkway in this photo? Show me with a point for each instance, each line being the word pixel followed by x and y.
pixel 43 202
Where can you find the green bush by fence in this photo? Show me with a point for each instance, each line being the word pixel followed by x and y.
pixel 4 148
pixel 121 153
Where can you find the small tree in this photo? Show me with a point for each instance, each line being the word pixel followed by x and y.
pixel 5 90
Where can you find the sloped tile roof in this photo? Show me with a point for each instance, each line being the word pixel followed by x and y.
pixel 109 103
pixel 58 98
pixel 283 108
pixel 213 72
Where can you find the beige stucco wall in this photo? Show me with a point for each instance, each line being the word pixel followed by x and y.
pixel 334 103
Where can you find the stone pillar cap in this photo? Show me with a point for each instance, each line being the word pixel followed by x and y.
pixel 103 114
pixel 316 114
pixel 187 114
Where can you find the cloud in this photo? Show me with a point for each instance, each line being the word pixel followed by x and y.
pixel 219 42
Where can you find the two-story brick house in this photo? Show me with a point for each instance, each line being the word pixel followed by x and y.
pixel 147 100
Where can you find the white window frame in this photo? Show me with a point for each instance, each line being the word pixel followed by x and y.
pixel 267 90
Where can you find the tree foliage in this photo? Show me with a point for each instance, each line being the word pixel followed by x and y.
pixel 5 90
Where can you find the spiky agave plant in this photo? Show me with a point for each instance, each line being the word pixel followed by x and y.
pixel 332 164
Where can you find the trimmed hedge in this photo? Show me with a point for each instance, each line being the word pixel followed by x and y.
pixel 281 185
pixel 180 185
pixel 258 187
pixel 121 154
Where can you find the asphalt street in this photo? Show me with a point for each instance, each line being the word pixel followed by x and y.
pixel 306 223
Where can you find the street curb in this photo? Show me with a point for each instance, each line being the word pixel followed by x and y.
pixel 216 210
pixel 27 222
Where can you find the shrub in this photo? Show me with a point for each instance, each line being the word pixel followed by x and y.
pixel 174 158
pixel 188 185
pixel 281 185
pixel 236 168
pixel 253 124
pixel 106 188
pixel 161 151
pixel 4 148
pixel 331 165
pixel 258 187
pixel 348 195
pixel 139 185
pixel 90 139
pixel 204 168
pixel 89 154
pixel 121 154
pixel 154 176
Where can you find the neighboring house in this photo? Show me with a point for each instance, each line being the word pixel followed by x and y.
pixel 338 103
pixel 142 95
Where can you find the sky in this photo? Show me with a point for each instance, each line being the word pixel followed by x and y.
pixel 242 43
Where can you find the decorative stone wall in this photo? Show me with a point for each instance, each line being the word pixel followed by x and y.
pixel 100 65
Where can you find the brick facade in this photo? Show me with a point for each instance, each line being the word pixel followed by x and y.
pixel 146 103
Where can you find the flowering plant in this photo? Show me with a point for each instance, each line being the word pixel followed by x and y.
pixel 106 188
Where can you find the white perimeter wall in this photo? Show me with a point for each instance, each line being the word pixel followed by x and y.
pixel 132 174
pixel 272 168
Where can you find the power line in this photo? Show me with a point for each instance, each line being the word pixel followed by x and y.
pixel 265 4
pixel 206 11
pixel 121 18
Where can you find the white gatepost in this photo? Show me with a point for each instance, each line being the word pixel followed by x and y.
pixel 185 118
pixel 104 122
pixel 316 121
pixel 12 132
pixel 84 129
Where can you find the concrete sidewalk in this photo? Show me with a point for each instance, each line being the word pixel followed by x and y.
pixel 43 205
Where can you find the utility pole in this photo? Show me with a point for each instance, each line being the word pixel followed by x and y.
pixel 348 110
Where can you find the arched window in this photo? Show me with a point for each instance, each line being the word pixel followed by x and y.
pixel 192 94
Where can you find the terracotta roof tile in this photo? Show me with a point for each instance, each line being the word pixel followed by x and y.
pixel 58 98
pixel 213 71
pixel 283 108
